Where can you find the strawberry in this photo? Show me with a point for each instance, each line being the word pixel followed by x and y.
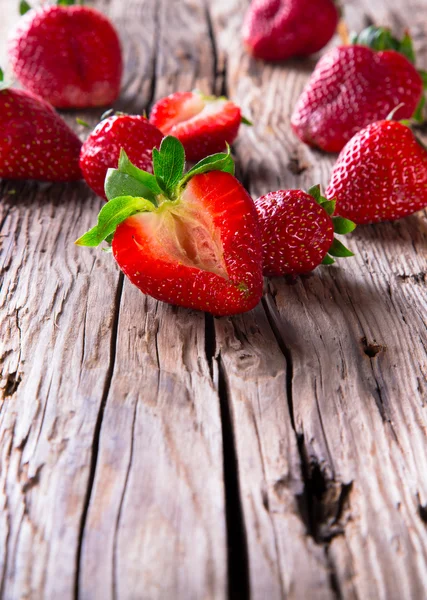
pixel 102 148
pixel 203 124
pixel 355 85
pixel 380 175
pixel 191 240
pixel 297 231
pixel 279 29
pixel 35 143
pixel 68 55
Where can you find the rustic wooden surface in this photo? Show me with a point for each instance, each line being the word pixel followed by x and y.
pixel 155 452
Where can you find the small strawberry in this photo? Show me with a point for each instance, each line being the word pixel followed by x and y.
pixel 279 29
pixel 35 143
pixel 101 150
pixel 297 231
pixel 188 239
pixel 380 175
pixel 203 124
pixel 68 55
pixel 355 85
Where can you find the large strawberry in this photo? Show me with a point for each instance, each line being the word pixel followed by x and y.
pixel 35 142
pixel 203 124
pixel 297 230
pixel 191 240
pixel 355 85
pixel 279 29
pixel 68 55
pixel 380 175
pixel 102 148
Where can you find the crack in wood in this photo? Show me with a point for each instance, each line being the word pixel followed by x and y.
pixel 237 548
pixel 97 433
pixel 324 505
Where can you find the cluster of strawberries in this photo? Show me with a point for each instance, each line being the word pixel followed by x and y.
pixel 196 238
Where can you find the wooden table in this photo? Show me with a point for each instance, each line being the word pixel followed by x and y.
pixel 158 453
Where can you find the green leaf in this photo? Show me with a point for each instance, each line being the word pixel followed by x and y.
pixel 216 162
pixel 418 115
pixel 343 226
pixel 246 121
pixel 111 215
pixel 1 75
pixel 121 184
pixel 24 7
pixel 406 48
pixel 316 193
pixel 338 249
pixel 381 38
pixel 423 75
pixel 329 206
pixel 80 121
pixel 328 260
pixel 147 179
pixel 169 164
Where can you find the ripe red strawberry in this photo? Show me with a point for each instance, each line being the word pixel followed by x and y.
pixel 69 55
pixel 355 85
pixel 192 240
pixel 35 143
pixel 380 175
pixel 101 150
pixel 279 29
pixel 297 231
pixel 203 124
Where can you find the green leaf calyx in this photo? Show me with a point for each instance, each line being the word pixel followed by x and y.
pixel 342 226
pixel 131 190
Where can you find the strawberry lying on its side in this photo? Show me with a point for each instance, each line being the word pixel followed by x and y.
pixel 188 239
pixel 68 55
pixel 101 150
pixel 203 124
pixel 297 230
pixel 380 175
pixel 355 85
pixel 279 29
pixel 35 142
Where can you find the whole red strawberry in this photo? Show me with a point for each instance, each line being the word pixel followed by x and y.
pixel 297 231
pixel 355 85
pixel 279 29
pixel 380 175
pixel 35 142
pixel 203 124
pixel 101 150
pixel 192 240
pixel 69 55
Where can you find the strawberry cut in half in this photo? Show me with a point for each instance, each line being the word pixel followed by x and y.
pixel 187 239
pixel 203 124
pixel 297 231
pixel 380 175
pixel 35 142
pixel 69 55
pixel 358 84
pixel 101 150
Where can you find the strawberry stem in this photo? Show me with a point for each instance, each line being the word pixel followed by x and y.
pixel 381 38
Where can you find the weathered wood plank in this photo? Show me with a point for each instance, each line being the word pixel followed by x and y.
pixel 156 521
pixel 360 421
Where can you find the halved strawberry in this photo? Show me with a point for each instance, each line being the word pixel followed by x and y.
pixel 192 240
pixel 203 124
pixel 297 230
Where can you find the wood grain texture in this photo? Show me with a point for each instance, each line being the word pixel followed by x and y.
pixel 154 452
pixel 354 340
